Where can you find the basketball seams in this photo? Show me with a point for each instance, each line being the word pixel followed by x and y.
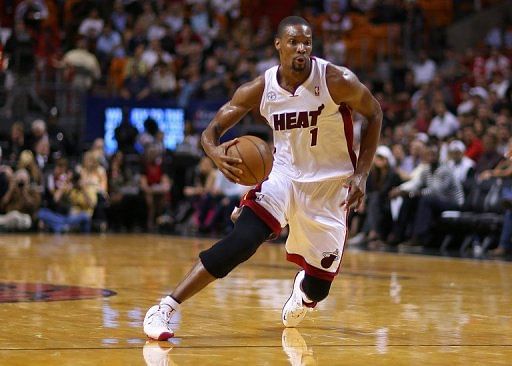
pixel 261 155
pixel 248 169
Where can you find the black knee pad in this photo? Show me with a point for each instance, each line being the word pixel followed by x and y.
pixel 315 288
pixel 248 234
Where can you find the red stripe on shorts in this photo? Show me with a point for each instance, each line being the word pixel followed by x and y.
pixel 310 270
pixel 260 211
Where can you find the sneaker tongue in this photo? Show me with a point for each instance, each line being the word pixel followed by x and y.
pixel 166 311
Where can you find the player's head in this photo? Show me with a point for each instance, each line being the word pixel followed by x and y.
pixel 294 42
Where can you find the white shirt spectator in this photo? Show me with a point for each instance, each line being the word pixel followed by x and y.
pixel 443 126
pixel 91 27
pixel 424 72
pixel 497 62
pixel 150 57
pixel 461 169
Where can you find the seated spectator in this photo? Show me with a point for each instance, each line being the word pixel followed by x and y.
pixel 27 162
pixel 123 210
pixel 490 156
pixel 462 166
pixel 155 185
pixel 381 180
pixel 19 203
pixel 93 180
pixel 109 45
pixel 502 170
pixel 438 190
pixel 424 69
pixel 5 176
pixel 135 86
pixel 474 145
pixel 163 81
pixel 16 144
pixel 444 124
pixel 71 209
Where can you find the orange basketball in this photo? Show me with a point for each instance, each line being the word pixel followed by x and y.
pixel 256 158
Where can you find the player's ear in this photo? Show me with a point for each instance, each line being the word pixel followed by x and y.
pixel 277 43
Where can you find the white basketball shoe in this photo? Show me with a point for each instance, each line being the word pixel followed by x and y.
pixel 157 319
pixel 294 310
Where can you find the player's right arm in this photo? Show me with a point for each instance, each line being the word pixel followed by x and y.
pixel 246 98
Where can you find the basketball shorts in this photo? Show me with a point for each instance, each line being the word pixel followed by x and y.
pixel 317 222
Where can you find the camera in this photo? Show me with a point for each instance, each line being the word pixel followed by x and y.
pixel 21 184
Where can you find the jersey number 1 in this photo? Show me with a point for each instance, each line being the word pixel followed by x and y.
pixel 314 134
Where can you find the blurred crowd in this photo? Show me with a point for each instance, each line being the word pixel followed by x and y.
pixel 445 139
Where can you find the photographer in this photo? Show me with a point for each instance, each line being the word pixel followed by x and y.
pixel 20 202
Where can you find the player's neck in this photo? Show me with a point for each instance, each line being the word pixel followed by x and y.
pixel 291 79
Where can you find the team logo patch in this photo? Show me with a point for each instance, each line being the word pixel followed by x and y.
pixel 329 258
pixel 271 95
pixel 317 91
pixel 36 292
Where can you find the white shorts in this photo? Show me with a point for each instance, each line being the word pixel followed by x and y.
pixel 317 222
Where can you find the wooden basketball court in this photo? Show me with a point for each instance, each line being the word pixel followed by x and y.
pixel 80 300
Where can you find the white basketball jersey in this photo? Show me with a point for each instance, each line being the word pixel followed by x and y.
pixel 312 134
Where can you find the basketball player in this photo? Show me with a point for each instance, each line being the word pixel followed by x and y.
pixel 315 180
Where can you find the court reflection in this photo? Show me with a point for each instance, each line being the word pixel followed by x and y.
pixel 296 348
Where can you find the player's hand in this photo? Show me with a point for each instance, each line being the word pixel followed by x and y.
pixel 356 185
pixel 225 163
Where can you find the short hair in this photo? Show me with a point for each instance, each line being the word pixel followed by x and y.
pixel 290 21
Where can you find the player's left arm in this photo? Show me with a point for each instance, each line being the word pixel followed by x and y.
pixel 345 88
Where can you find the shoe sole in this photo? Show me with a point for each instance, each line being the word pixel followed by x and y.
pixel 286 302
pixel 162 337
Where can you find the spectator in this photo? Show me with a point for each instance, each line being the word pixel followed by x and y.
pixel 123 210
pixel 424 69
pixel 94 183
pixel 135 86
pixel 490 156
pixel 381 181
pixel 163 81
pixel 497 62
pixel 438 191
pixel 155 185
pixel 71 209
pixel 31 13
pixel 126 135
pixel 214 83
pixel 154 54
pixel 20 51
pixel 20 202
pixel 444 124
pixel 92 26
pixel 474 144
pixel 119 17
pixel 16 144
pixel 461 166
pixel 82 66
pixel 5 176
pixel 109 45
pixel 27 162
pixel 147 138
